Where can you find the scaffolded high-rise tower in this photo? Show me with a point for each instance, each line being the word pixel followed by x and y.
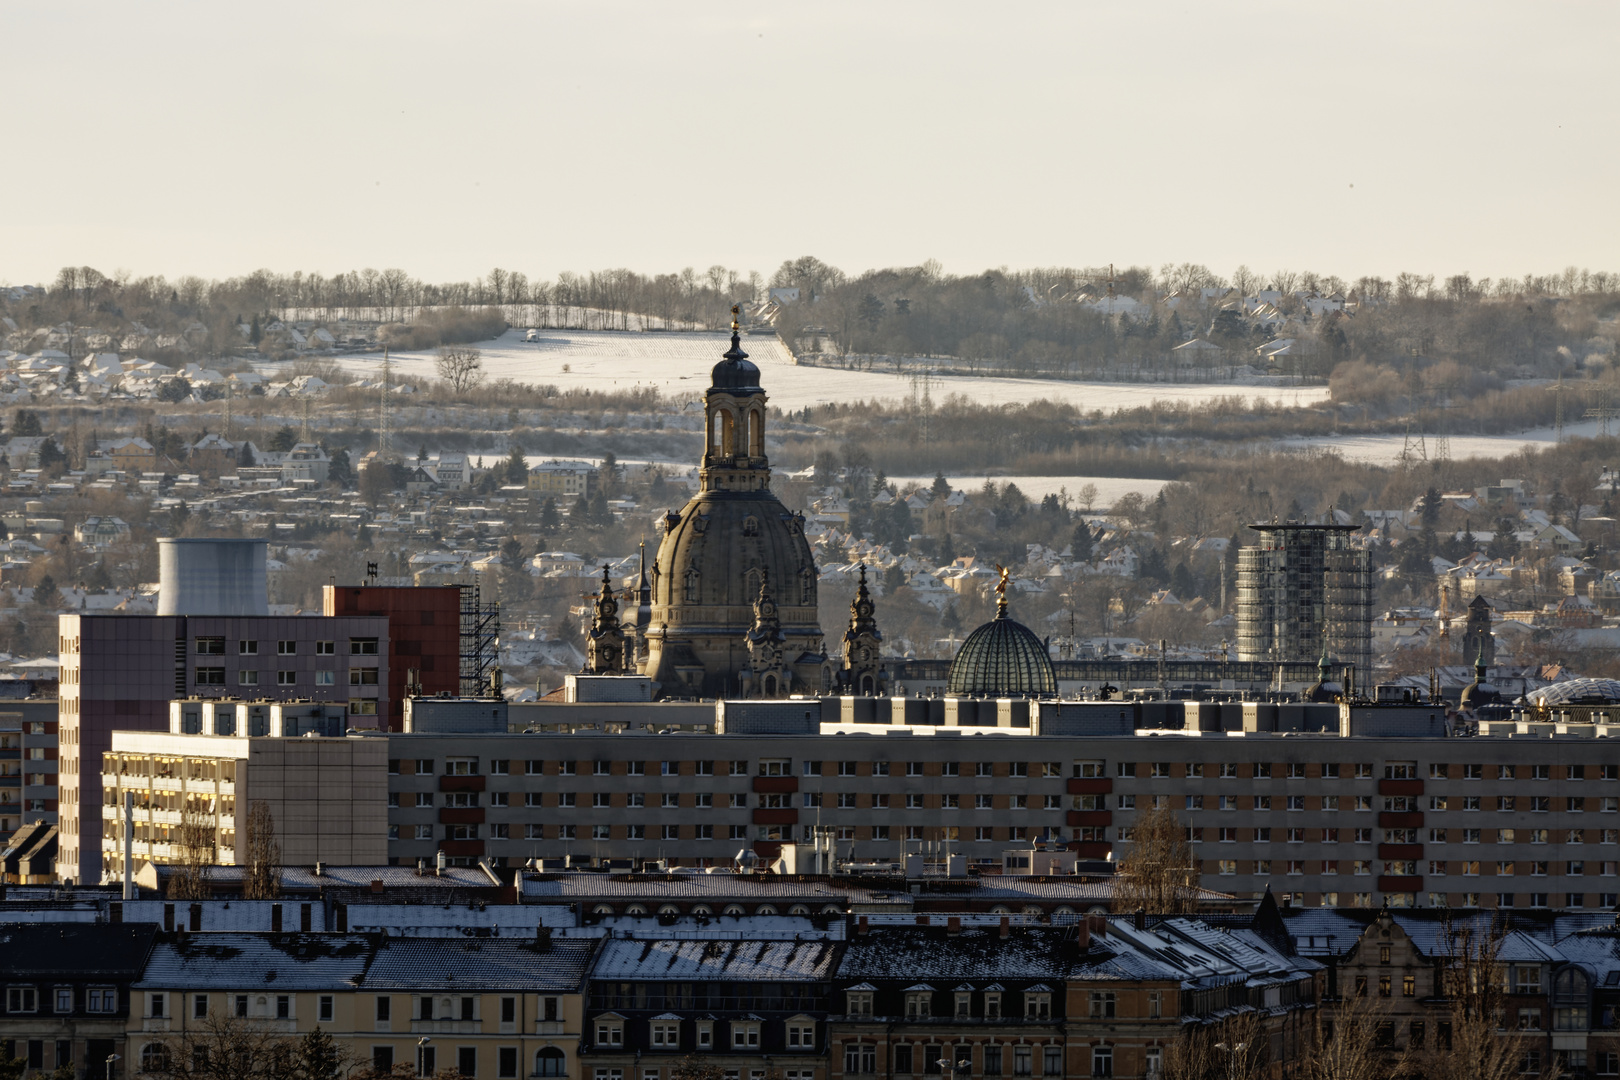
pixel 1305 591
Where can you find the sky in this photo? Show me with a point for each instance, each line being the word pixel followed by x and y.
pixel 446 139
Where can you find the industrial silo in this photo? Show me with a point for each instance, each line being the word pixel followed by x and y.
pixel 212 577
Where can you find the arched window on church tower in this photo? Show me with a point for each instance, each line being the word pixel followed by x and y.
pixel 807 587
pixel 692 585
pixel 756 432
pixel 750 526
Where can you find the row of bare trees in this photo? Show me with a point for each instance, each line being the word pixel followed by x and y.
pixel 199 849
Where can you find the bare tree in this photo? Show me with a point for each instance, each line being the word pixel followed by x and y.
pixel 1157 873
pixel 231 1048
pixel 1345 1044
pixel 1472 1043
pixel 263 878
pixel 1235 1049
pixel 197 847
pixel 461 366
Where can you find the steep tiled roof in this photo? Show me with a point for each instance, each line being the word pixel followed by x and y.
pixel 482 964
pixel 36 950
pixel 260 961
pixel 977 953
pixel 764 961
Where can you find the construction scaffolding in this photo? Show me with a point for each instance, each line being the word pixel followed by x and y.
pixel 480 641
pixel 1303 592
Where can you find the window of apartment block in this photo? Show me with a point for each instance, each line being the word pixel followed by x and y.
pixel 1102 1005
pixel 461 766
pixel 363 646
pixel 1090 769
pixel 776 767
pixel 326 648
pixel 209 646
pixel 744 1035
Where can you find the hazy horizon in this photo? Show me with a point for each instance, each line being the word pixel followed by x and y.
pixel 190 138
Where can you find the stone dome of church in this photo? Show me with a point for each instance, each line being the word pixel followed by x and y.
pixel 732 547
pixel 1002 658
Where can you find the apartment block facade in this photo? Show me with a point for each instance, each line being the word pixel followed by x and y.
pixel 1320 820
pixel 119 673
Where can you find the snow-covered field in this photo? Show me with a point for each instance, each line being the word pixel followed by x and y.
pixel 1386 449
pixel 678 364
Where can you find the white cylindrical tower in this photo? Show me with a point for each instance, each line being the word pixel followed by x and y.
pixel 212 577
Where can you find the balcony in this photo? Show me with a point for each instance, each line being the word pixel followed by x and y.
pixel 1395 819
pixel 464 815
pixel 1400 787
pixel 461 783
pixel 1091 817
pixel 1094 786
pixel 776 817
pixel 447 1027
pixel 1090 849
pixel 462 848
pixel 776 785
pixel 1388 883
pixel 1400 851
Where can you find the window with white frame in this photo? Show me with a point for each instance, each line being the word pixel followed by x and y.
pixel 744 1035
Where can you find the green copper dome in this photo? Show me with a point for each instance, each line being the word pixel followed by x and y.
pixel 1002 658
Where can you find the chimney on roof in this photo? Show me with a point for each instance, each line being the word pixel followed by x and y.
pixel 1006 927
pixel 862 926
pixel 1139 920
pixel 438 864
pixel 1097 925
pixel 376 885
pixel 953 925
pixel 1082 935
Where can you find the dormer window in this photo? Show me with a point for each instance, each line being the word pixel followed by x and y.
pixel 750 526
pixel 859 1003
pixel 1037 1006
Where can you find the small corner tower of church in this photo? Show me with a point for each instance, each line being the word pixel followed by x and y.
pixel 733 544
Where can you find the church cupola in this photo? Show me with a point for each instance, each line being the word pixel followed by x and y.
pixel 734 423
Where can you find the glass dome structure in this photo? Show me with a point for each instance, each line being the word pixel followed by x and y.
pixel 1002 658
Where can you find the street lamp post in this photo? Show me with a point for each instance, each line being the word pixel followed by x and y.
pixel 110 1059
pixel 1232 1053
pixel 422 1045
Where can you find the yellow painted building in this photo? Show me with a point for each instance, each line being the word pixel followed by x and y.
pixel 489 1008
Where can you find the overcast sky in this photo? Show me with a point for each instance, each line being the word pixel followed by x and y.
pixel 447 138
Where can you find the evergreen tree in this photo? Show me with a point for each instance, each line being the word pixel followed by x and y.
pixel 319 1057
pixel 517 467
pixel 255 332
pixel 340 471
pixel 46 593
pixel 941 487
pixel 27 424
pixel 285 438
pixel 550 518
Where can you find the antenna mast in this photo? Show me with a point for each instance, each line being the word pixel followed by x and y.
pixel 385 428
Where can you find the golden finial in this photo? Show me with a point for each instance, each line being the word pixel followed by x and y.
pixel 1001 589
pixel 736 314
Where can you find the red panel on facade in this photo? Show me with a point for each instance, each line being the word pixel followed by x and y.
pixel 768 849
pixel 456 849
pixel 461 783
pixel 1400 851
pixel 1090 849
pixel 424 632
pixel 1400 787
pixel 776 784
pixel 1091 817
pixel 461 815
pixel 1390 884
pixel 1096 786
pixel 1394 819
pixel 776 817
